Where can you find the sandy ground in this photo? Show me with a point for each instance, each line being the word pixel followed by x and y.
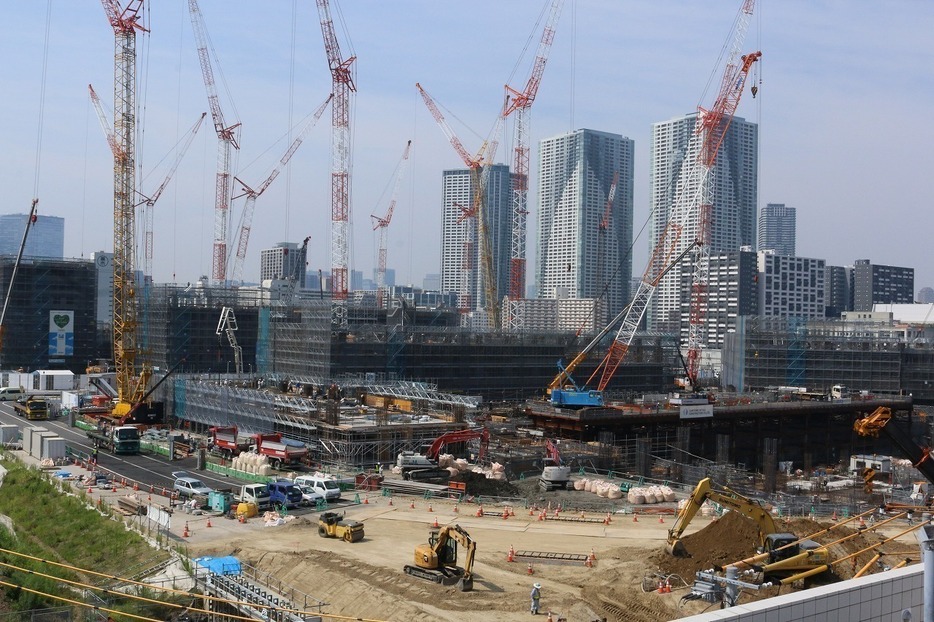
pixel 365 579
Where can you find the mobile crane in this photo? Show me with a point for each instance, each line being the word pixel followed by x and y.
pixel 437 560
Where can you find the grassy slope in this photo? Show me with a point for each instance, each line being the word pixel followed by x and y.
pixel 60 528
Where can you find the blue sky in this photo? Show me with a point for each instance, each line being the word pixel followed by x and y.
pixel 844 110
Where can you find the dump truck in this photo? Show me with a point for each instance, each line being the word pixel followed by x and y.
pixel 437 560
pixel 334 525
pixel 226 442
pixel 32 408
pixel 120 439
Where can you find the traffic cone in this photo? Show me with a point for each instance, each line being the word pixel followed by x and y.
pixel 531 512
pixel 862 523
pixel 511 555
pixel 607 520
pixel 151 489
pixel 455 509
pixel 435 524
pixel 661 519
pixel 530 571
pixel 550 618
pixel 661 587
pixel 241 518
pixel 185 533
pixel 541 515
pixel 135 485
pixel 429 508
pixel 834 516
pixel 505 514
pixel 209 525
pixel 556 512
pixel 593 556
pixel 667 586
pixel 366 500
pixel 582 515
pixel 412 506
pixel 480 510
pixel 390 501
pixel 635 517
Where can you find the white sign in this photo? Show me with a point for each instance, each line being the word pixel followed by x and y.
pixel 699 411
pixel 61 333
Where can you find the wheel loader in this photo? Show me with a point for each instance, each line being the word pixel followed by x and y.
pixel 333 525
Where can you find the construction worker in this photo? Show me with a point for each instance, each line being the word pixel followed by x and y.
pixel 536 597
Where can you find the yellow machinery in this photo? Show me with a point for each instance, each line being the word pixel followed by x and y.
pixel 727 498
pixel 437 560
pixel 333 525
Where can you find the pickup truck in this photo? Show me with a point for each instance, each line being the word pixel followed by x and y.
pixel 32 408
pixel 121 439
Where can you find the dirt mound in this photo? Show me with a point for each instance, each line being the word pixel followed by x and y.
pixel 479 485
pixel 728 539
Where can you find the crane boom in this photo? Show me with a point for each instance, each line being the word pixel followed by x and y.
pixel 227 142
pixel 251 194
pixel 382 224
pixel 519 104
pixel 342 85
pixel 105 124
pixel 30 220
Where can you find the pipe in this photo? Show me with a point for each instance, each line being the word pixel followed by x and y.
pixel 868 565
pixel 925 536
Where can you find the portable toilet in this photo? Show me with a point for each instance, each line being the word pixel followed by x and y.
pixel 53 448
pixel 9 433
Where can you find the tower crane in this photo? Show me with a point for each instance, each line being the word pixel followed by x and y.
pixel 125 23
pixel 342 85
pixel 228 140
pixel 252 195
pixel 475 216
pixel 30 221
pixel 519 104
pixel 381 224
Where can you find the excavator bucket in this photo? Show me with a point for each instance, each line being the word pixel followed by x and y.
pixel 676 548
pixel 465 584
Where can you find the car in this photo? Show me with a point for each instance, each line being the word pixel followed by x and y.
pixel 309 496
pixel 187 486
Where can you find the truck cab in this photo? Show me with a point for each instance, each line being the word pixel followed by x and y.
pixel 284 493
pixel 327 487
pixel 257 494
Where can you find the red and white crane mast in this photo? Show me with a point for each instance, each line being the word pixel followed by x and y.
pixel 342 85
pixel 382 225
pixel 519 104
pixel 692 202
pixel 246 224
pixel 227 142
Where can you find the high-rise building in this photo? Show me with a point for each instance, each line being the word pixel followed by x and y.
pixel 791 286
pixel 457 196
pixel 926 295
pixel 432 282
pixel 777 229
pixel 732 292
pixel 837 290
pixel 577 257
pixel 734 180
pixel 283 262
pixel 877 284
pixel 46 236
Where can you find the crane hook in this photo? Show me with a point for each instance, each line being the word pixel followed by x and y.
pixel 754 90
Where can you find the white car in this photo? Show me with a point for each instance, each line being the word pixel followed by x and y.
pixel 187 486
pixel 309 496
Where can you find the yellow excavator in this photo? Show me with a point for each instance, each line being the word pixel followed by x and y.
pixel 437 560
pixel 728 499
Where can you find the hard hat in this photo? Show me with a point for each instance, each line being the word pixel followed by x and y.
pixel 537 586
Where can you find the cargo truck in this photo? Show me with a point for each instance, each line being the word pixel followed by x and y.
pixel 32 408
pixel 119 439
pixel 228 443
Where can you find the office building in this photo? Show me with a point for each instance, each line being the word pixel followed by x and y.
pixel 578 257
pixel 926 295
pixel 432 282
pixel 777 229
pixel 457 196
pixel 734 179
pixel 791 286
pixel 284 261
pixel 732 292
pixel 878 284
pixel 46 236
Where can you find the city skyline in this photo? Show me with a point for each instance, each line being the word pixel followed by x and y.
pixel 637 64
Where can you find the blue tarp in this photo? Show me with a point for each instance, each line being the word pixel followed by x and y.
pixel 228 565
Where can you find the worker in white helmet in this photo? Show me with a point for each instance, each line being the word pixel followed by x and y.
pixel 536 597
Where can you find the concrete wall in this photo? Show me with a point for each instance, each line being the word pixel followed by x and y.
pixel 877 598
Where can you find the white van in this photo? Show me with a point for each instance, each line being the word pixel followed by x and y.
pixel 11 394
pixel 327 487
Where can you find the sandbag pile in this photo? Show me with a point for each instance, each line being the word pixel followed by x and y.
pixel 651 494
pixel 253 463
pixel 601 488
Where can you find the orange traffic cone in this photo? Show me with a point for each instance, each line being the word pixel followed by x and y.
pixel 607 520
pixel 511 555
pixel 135 485
pixel 542 515
pixel 550 618
pixel 366 500
pixel 635 517
pixel 480 510
pixel 558 509
pixel 661 519
pixel 185 533
pixel 593 556
pixel 530 571
pixel 435 524
pixel 430 508
pixel 667 586
pixel 661 587
pixel 862 523
pixel 412 506
pixel 834 516
pixel 390 501
pixel 209 525
pixel 241 518
pixel 455 509
pixel 505 514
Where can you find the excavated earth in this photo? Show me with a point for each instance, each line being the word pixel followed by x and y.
pixel 365 581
